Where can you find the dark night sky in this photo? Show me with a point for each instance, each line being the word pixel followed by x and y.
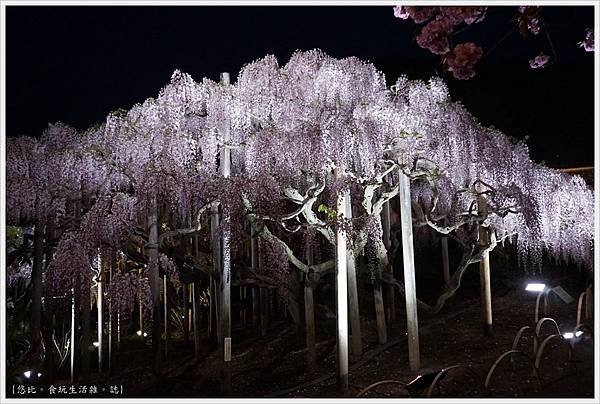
pixel 76 64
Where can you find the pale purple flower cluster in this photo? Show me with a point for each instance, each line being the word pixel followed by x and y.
pixel 588 42
pixel 401 12
pixel 528 20
pixel 547 220
pixel 539 61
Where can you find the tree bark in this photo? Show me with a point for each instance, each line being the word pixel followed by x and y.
pixel 309 316
pixel 390 299
pixel 445 260
pixel 379 312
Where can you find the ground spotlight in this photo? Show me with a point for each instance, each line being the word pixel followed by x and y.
pixel 570 335
pixel 535 287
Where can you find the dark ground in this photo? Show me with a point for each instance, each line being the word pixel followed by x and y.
pixel 274 366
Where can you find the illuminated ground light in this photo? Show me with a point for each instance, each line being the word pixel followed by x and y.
pixel 139 332
pixel 535 287
pixel 27 374
pixel 96 344
pixel 570 335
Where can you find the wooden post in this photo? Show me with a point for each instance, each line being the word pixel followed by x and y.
pixel 264 304
pixel 484 265
pixel 48 322
pixel 254 264
pixel 242 311
pixel 225 168
pixel 216 245
pixel 141 311
pixel 196 320
pixel 412 324
pixel 211 307
pixel 36 282
pixel 73 336
pixel 309 315
pixel 99 308
pixel 110 337
pixel 186 313
pixel 589 304
pixel 356 339
pixel 342 297
pixel 390 307
pixel 111 328
pixel 166 316
pixel 195 287
pixel 270 304
pixel 118 329
pixel 152 248
pixel 85 330
pixel 445 259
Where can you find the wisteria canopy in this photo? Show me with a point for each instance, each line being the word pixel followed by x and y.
pixel 299 135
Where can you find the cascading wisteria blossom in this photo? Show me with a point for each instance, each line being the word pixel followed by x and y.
pixel 544 210
pixel 290 127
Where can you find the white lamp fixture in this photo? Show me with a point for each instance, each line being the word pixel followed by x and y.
pixel 96 344
pixel 27 374
pixel 570 335
pixel 535 287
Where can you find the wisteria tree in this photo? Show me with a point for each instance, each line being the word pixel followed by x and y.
pixel 306 157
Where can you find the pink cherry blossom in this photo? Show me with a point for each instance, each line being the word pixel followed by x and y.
pixel 468 15
pixel 421 14
pixel 434 36
pixel 462 59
